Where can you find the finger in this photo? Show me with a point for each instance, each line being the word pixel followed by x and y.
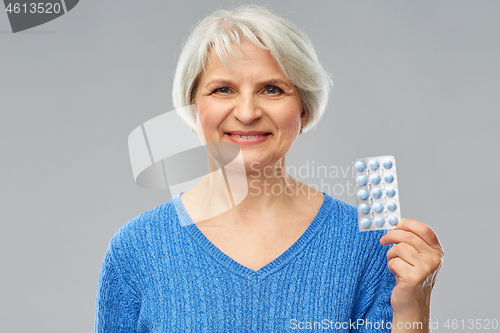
pixel 406 252
pixel 424 265
pixel 399 267
pixel 421 230
pixel 402 236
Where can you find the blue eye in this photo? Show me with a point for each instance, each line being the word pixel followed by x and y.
pixel 222 90
pixel 273 90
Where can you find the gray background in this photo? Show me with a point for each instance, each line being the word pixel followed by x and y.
pixel 415 79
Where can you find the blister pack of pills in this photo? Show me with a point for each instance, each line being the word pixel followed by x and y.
pixel 377 195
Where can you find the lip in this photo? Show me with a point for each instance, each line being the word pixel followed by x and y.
pixel 242 141
pixel 247 133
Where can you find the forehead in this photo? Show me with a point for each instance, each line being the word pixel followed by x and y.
pixel 249 60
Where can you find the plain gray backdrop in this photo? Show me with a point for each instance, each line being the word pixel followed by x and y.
pixel 415 79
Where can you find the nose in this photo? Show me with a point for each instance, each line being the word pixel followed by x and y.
pixel 247 109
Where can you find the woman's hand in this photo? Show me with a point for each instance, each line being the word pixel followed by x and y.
pixel 415 259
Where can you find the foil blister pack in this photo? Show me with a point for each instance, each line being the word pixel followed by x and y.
pixel 377 194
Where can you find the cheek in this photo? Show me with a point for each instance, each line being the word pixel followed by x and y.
pixel 210 114
pixel 288 115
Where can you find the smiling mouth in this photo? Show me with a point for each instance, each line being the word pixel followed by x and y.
pixel 247 136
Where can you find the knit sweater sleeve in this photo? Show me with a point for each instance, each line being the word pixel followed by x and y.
pixel 373 310
pixel 117 307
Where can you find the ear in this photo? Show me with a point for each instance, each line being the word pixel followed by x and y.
pixel 303 118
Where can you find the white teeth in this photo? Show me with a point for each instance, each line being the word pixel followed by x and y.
pixel 247 137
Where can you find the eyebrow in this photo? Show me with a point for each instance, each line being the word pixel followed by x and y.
pixel 223 82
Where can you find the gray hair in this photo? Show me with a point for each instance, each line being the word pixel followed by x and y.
pixel 291 49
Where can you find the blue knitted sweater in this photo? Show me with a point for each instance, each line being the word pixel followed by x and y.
pixel 161 274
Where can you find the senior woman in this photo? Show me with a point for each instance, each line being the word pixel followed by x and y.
pixel 287 257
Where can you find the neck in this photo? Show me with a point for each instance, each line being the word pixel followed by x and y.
pixel 244 194
pixel 270 188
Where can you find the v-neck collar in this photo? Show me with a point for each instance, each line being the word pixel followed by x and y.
pixel 231 264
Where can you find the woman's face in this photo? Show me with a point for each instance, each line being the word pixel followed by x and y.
pixel 252 97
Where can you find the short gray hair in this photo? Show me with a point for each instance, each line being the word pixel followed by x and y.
pixel 291 49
